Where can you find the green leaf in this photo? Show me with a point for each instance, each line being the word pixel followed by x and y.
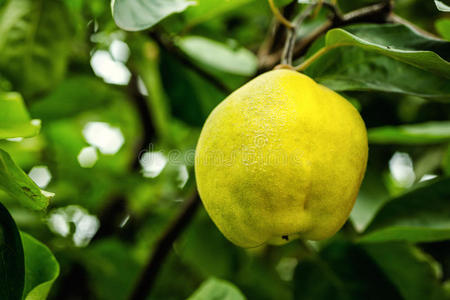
pixel 314 280
pixel 341 271
pixel 239 61
pixel 207 9
pixel 14 118
pixel 217 289
pixel 18 185
pixel 372 195
pixel 443 27
pixel 34 39
pixel 397 41
pixel 41 269
pixel 194 98
pixel 424 133
pixel 112 269
pixel 421 215
pixel 205 249
pixel 134 15
pixel 73 96
pixel 12 270
pixel 442 6
pixel 360 68
pixel 353 69
pixel 412 271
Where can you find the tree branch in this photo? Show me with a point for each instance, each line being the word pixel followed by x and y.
pixel 399 20
pixel 275 36
pixel 292 34
pixel 279 16
pixel 377 13
pixel 163 247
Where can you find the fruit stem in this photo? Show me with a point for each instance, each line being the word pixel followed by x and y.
pixel 284 66
pixel 279 16
pixel 317 55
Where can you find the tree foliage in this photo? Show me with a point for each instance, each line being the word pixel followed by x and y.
pixel 101 105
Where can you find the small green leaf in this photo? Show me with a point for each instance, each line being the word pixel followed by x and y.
pixel 443 27
pixel 239 61
pixel 442 6
pixel 14 118
pixel 421 215
pixel 41 269
pixel 218 290
pixel 412 271
pixel 425 133
pixel 397 41
pixel 12 270
pixel 208 9
pixel 19 186
pixel 134 15
pixel 372 195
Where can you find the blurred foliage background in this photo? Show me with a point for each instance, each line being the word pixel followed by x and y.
pixel 120 113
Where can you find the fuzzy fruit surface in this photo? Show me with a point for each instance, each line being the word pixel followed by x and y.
pixel 282 157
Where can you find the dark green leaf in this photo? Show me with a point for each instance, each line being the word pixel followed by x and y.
pixel 341 271
pixel 14 118
pixel 194 98
pixel 397 41
pixel 112 269
pixel 12 270
pixel 425 133
pixel 34 43
pixel 408 268
pixel 421 215
pixel 41 269
pixel 218 290
pixel 361 68
pixel 134 15
pixel 205 249
pixel 353 69
pixel 19 186
pixel 314 281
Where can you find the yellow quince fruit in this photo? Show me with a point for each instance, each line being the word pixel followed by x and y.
pixel 280 158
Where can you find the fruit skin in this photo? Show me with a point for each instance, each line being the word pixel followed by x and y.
pixel 281 157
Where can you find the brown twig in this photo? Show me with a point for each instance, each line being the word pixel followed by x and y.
pixel 377 13
pixel 267 44
pixel 399 20
pixel 162 248
pixel 292 34
pixel 276 35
